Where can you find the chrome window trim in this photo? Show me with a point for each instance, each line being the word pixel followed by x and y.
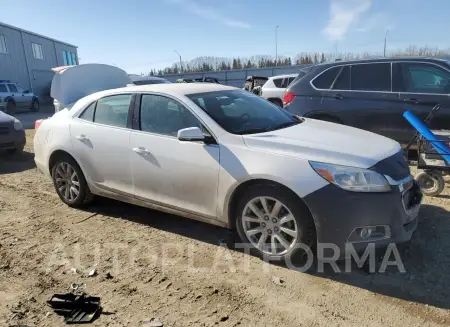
pixel 381 62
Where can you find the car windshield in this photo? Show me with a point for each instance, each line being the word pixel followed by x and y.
pixel 240 112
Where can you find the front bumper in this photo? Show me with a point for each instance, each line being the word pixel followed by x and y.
pixel 340 215
pixel 12 140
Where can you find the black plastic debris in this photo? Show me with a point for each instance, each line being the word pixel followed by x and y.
pixel 76 309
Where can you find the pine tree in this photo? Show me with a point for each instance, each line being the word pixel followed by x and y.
pixel 322 58
pixel 315 59
pixel 289 61
pixel 238 63
pixel 249 64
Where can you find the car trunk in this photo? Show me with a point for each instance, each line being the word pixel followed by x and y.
pixel 71 83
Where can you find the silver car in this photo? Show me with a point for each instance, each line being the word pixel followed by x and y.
pixel 12 135
pixel 14 96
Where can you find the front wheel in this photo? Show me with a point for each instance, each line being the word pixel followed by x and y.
pixel 275 223
pixel 430 182
pixel 69 182
pixel 34 105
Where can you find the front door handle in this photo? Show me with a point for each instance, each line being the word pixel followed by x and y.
pixel 81 137
pixel 141 150
pixel 338 96
pixel 412 100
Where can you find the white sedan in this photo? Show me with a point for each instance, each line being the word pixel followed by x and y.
pixel 227 157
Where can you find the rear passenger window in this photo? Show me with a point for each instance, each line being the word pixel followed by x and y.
pixel 113 110
pixel 343 80
pixel 371 77
pixel 278 82
pixel 324 80
pixel 3 88
pixel 88 113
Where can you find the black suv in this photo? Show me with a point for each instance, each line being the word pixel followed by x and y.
pixel 372 94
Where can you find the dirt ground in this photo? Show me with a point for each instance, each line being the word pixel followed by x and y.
pixel 154 265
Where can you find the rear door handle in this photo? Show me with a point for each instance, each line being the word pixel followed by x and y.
pixel 81 137
pixel 414 101
pixel 141 150
pixel 338 97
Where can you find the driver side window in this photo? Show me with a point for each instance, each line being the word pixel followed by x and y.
pixel 426 78
pixel 165 116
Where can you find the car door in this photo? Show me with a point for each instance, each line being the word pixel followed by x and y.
pixel 422 85
pixel 375 106
pixel 100 138
pixel 169 172
pixel 27 97
pixel 14 92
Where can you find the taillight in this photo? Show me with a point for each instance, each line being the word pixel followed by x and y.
pixel 38 123
pixel 288 98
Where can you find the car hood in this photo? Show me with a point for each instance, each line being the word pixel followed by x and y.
pixel 320 141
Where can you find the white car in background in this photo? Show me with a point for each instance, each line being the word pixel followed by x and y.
pixel 273 90
pixel 224 156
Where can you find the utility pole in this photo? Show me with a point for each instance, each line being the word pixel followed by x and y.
pixel 181 66
pixel 385 40
pixel 276 45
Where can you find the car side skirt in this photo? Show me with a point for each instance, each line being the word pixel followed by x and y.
pixel 139 201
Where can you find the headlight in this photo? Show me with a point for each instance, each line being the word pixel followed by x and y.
pixel 352 179
pixel 17 125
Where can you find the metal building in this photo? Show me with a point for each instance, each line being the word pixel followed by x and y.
pixel 27 58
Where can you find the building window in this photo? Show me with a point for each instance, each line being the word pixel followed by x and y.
pixel 37 51
pixel 70 58
pixel 3 47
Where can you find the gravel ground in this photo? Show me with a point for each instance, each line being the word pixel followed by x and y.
pixel 154 265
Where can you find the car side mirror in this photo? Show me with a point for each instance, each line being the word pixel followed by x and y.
pixel 191 134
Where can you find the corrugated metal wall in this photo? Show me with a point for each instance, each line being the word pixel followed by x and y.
pixel 38 76
pixel 237 77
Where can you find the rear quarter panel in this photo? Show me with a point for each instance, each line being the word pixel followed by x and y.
pixel 52 135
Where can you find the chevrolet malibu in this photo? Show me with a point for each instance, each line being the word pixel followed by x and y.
pixel 227 157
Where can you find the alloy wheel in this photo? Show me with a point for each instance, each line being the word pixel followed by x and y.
pixel 67 181
pixel 269 226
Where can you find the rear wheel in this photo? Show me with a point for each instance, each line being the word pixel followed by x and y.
pixel 430 182
pixel 275 223
pixel 70 183
pixel 10 108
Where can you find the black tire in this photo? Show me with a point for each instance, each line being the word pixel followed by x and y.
pixel 277 102
pixel 305 225
pixel 430 182
pixel 11 108
pixel 84 196
pixel 35 105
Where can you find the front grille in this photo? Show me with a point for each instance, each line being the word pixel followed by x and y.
pixel 6 145
pixel 4 130
pixel 394 166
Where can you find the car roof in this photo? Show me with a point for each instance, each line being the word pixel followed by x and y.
pixel 383 59
pixel 284 76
